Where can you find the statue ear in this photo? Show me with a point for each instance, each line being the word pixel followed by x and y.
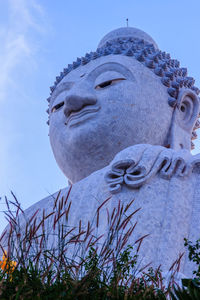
pixel 184 118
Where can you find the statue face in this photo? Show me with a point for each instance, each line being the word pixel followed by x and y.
pixel 101 108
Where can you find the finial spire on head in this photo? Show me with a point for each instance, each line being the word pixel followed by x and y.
pixel 127 32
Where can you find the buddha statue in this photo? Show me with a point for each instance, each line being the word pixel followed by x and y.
pixel 121 124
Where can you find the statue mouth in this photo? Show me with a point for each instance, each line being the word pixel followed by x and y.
pixel 78 117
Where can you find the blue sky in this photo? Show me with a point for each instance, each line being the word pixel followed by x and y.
pixel 38 39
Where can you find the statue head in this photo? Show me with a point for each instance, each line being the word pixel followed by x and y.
pixel 128 92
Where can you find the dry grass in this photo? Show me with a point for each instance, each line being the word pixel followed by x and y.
pixel 82 262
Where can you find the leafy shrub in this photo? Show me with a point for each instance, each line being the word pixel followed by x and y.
pixel 194 255
pixel 191 287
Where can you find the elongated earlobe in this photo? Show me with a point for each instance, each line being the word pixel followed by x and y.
pixel 184 119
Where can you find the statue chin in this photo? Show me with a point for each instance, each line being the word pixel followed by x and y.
pixel 77 165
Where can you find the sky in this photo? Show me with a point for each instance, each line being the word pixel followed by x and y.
pixel 37 40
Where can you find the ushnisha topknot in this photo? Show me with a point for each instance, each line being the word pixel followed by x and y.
pixel 171 74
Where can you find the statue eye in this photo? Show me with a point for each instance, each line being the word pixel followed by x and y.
pixel 108 83
pixel 57 106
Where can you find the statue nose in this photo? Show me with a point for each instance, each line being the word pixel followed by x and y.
pixel 74 103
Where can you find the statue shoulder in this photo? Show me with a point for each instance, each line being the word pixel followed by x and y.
pixel 37 209
pixel 46 203
pixel 194 164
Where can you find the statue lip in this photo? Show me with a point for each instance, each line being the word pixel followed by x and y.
pixel 77 117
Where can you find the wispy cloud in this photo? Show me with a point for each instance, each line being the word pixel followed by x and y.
pixel 26 20
pixel 16 45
